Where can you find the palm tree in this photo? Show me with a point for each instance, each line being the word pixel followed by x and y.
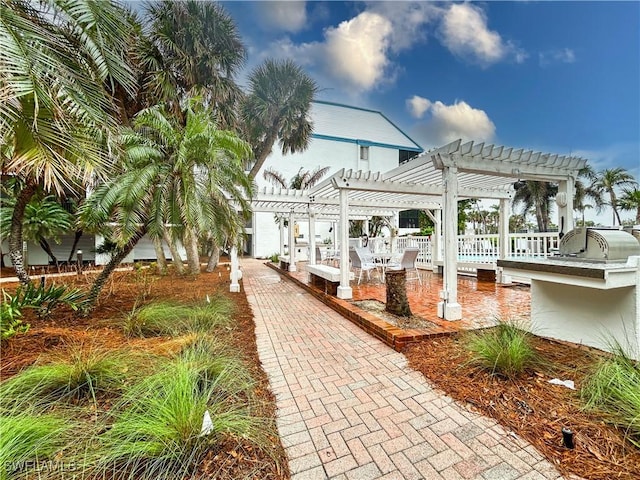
pixel 302 180
pixel 195 45
pixel 180 176
pixel 630 200
pixel 536 196
pixel 607 181
pixel 277 108
pixel 59 66
pixel 584 190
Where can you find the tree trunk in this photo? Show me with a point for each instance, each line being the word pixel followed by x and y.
pixel 175 255
pixel 90 302
pixel 15 237
pixel 47 248
pixel 193 253
pixel 262 154
pixel 160 258
pixel 214 258
pixel 76 239
pixel 397 301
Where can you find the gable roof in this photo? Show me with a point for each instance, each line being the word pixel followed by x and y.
pixel 343 123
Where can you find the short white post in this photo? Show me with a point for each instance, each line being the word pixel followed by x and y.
pixel 235 271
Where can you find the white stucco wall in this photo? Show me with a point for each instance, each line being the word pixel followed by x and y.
pixel 586 316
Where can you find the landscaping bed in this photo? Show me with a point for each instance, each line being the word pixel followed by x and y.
pixel 532 407
pixel 247 446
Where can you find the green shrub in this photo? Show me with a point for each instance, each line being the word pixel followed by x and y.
pixel 26 436
pixel 156 430
pixel 503 350
pixel 78 372
pixel 10 317
pixel 274 257
pixel 216 366
pixel 44 299
pixel 172 319
pixel 614 390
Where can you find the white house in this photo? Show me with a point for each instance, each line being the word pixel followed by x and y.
pixel 343 137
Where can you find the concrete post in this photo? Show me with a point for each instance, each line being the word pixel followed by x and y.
pixel 344 290
pixel 292 243
pixel 312 237
pixel 564 201
pixel 448 307
pixel 235 271
pixel 281 222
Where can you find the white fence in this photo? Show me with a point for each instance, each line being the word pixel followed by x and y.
pixel 473 248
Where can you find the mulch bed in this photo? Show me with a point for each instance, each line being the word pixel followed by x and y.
pixel 120 295
pixel 532 407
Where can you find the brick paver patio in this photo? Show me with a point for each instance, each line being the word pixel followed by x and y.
pixel 349 407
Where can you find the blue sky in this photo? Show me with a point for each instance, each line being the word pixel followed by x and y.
pixel 561 77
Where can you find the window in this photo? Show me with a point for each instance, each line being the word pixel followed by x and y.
pixel 409 219
pixel 364 152
pixel 404 156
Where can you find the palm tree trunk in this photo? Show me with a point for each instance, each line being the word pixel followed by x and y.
pixel 214 258
pixel 193 254
pixel 76 239
pixel 47 248
pixel 90 302
pixel 15 237
pixel 614 206
pixel 262 153
pixel 160 258
pixel 638 216
pixel 175 254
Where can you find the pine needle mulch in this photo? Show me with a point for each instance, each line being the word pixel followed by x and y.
pixel 532 407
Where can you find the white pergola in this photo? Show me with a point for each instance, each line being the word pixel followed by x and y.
pixel 434 182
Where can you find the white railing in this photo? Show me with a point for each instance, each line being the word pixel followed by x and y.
pixel 474 248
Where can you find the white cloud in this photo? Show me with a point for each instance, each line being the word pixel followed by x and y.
pixel 357 50
pixel 465 33
pixel 286 16
pixel 563 55
pixel 451 122
pixel 418 106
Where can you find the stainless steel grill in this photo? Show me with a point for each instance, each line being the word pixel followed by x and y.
pixel 589 244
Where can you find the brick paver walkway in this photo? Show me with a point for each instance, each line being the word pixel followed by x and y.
pixel 349 407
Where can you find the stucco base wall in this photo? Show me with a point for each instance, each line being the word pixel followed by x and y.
pixel 593 317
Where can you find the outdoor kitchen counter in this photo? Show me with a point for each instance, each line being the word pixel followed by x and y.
pixel 596 304
pixel 573 272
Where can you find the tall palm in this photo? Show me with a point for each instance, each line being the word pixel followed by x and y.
pixel 584 191
pixel 59 65
pixel 196 45
pixel 175 175
pixel 536 196
pixel 607 181
pixel 630 200
pixel 277 108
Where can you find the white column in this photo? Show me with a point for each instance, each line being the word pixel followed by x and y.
pixel 395 222
pixel 312 237
pixel 564 200
pixel 281 222
pixel 235 270
pixel 436 238
pixel 292 243
pixel 448 307
pixel 366 227
pixel 334 235
pixel 503 237
pixel 344 290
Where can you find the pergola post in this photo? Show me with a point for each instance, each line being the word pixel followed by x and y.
pixel 235 271
pixel 503 236
pixel 448 307
pixel 395 222
pixel 292 243
pixel 312 237
pixel 564 200
pixel 366 227
pixel 436 237
pixel 281 223
pixel 344 290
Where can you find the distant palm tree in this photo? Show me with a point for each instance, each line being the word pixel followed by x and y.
pixel 302 180
pixel 607 181
pixel 536 196
pixel 60 63
pixel 584 190
pixel 630 200
pixel 277 109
